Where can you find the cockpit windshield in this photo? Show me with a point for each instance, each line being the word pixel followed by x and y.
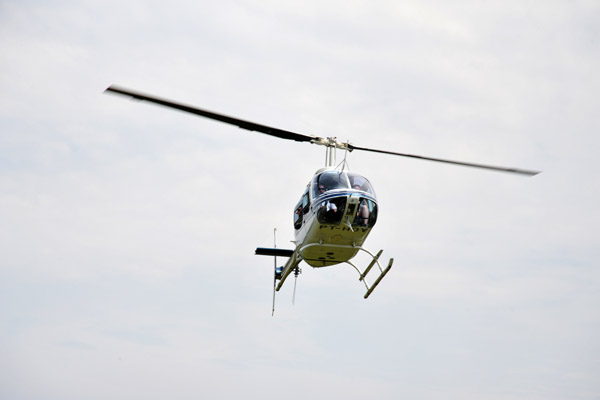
pixel 330 180
pixel 359 182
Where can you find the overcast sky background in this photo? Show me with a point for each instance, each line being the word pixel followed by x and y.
pixel 128 230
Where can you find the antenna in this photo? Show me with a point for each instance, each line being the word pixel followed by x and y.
pixel 274 270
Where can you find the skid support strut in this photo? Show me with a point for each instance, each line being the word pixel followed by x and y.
pixel 362 274
pixel 382 272
pixel 296 256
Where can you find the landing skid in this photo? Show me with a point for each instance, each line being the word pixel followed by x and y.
pixel 363 274
pixel 382 272
pixel 295 257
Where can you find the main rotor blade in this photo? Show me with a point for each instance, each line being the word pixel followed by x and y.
pixel 251 126
pixel 466 164
pixel 283 134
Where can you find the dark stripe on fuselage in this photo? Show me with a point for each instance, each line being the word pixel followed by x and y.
pixel 332 194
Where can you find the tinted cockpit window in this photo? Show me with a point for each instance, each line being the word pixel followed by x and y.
pixel 366 213
pixel 331 211
pixel 329 180
pixel 359 182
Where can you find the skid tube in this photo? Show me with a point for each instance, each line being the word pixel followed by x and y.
pixel 362 275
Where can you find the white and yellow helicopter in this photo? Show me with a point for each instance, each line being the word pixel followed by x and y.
pixel 337 210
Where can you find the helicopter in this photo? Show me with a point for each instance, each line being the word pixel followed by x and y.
pixel 337 210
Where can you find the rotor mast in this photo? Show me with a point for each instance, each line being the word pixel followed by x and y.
pixel 332 144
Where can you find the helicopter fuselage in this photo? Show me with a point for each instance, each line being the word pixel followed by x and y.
pixel 334 216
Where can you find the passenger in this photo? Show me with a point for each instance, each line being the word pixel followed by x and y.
pixel 362 216
pixel 328 208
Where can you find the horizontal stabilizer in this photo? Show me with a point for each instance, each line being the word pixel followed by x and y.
pixel 263 251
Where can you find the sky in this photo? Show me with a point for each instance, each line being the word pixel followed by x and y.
pixel 128 230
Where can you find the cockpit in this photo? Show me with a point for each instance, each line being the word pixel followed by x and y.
pixel 340 198
pixel 331 180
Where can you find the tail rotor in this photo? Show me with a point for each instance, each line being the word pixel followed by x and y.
pixel 297 271
pixel 275 274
